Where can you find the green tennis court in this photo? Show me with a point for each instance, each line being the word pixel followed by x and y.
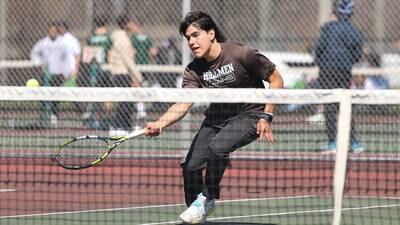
pixel 289 182
pixel 241 211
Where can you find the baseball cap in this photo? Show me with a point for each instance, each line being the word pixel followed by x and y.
pixel 344 7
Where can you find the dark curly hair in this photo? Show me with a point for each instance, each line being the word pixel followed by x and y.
pixel 202 21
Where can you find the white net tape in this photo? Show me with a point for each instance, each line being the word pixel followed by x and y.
pixel 227 95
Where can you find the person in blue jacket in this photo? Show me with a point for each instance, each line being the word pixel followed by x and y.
pixel 337 49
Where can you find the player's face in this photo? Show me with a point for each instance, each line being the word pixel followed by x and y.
pixel 132 27
pixel 53 32
pixel 199 41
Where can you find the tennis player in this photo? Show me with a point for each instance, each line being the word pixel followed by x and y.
pixel 227 127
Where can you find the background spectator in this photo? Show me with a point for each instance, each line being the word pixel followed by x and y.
pixel 168 54
pixel 95 55
pixel 74 47
pixel 123 74
pixel 338 48
pixel 52 53
pixel 145 51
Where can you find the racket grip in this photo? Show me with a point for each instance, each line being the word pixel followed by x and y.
pixel 135 133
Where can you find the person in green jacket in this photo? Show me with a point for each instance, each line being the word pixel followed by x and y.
pixel 142 42
pixel 99 43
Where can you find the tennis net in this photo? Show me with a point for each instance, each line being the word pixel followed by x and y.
pixel 290 182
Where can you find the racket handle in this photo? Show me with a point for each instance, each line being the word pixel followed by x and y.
pixel 135 133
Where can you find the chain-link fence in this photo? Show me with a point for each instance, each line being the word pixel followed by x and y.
pixel 289 182
pixel 269 25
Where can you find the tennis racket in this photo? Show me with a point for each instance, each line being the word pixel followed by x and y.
pixel 87 151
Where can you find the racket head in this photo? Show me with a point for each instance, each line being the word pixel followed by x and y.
pixel 82 152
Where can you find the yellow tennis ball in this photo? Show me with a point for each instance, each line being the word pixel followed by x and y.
pixel 32 83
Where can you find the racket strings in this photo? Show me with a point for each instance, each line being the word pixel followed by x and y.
pixel 82 152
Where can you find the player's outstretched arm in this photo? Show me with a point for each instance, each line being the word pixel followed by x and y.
pixel 176 112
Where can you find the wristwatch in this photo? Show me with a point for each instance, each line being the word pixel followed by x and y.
pixel 267 116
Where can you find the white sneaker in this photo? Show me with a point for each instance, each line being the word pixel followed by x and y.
pixel 356 147
pixel 141 111
pixel 317 118
pixel 329 148
pixel 53 120
pixel 198 210
pixel 86 115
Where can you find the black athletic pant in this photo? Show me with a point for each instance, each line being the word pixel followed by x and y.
pixel 123 114
pixel 333 79
pixel 210 150
pixel 56 80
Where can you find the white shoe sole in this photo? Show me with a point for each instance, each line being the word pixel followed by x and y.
pixel 209 213
pixel 200 221
pixel 190 217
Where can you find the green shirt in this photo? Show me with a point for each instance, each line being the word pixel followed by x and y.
pixel 142 43
pixel 102 40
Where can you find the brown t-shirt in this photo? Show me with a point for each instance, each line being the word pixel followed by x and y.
pixel 238 66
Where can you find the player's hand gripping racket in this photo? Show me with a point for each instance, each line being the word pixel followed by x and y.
pixel 86 151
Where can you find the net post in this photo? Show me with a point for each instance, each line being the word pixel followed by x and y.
pixel 343 136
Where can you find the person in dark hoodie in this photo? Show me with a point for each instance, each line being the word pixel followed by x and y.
pixel 338 48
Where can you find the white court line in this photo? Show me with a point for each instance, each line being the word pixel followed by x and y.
pixel 280 214
pixel 8 190
pixel 249 216
pixel 377 197
pixel 147 207
pixel 216 218
pixel 89 211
